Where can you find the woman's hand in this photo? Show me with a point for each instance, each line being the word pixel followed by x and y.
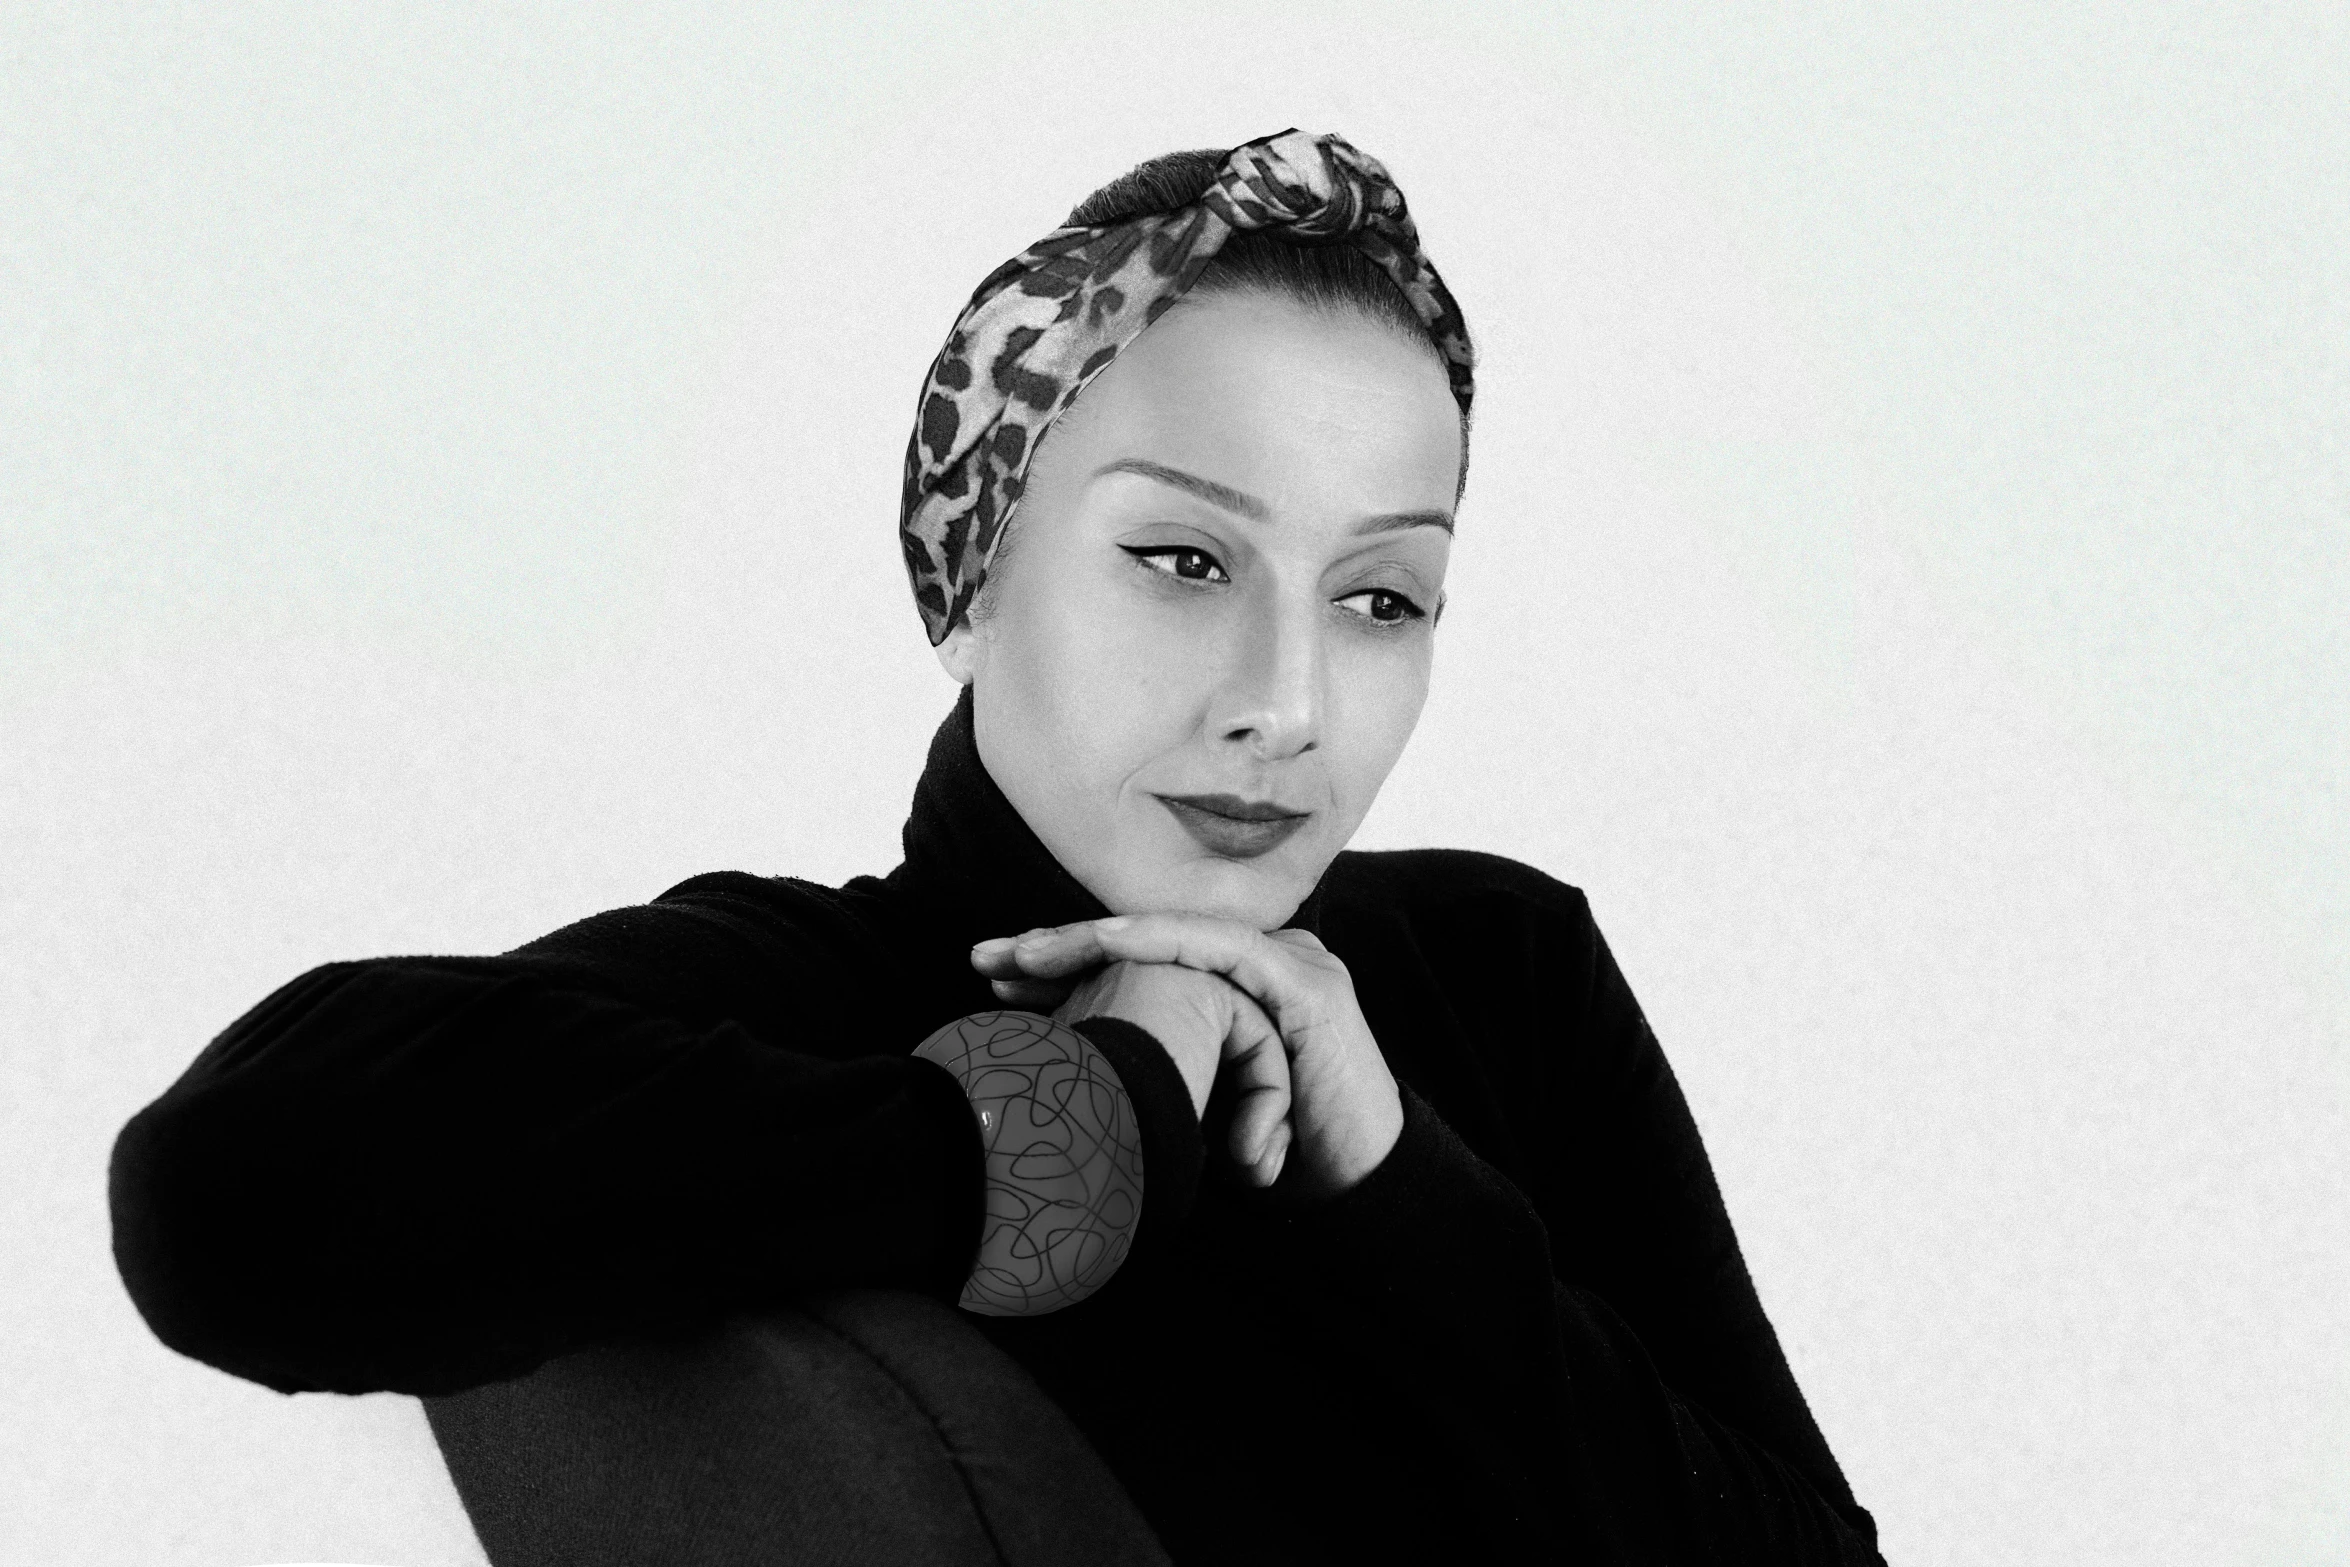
pixel 1197 1018
pixel 1345 1111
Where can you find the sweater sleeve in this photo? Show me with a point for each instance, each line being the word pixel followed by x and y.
pixel 1559 1431
pixel 420 1174
pixel 1565 1434
pixel 1637 1219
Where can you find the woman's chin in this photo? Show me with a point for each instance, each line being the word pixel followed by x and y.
pixel 1262 892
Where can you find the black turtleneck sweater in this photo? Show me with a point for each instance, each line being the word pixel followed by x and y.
pixel 1528 1334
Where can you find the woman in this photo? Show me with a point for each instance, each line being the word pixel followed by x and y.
pixel 1381 1227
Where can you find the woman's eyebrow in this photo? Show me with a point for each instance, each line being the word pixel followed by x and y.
pixel 1245 505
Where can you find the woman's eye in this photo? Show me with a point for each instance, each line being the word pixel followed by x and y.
pixel 1181 560
pixel 1387 607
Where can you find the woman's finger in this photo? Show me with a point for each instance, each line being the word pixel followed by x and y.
pixel 994 957
pixel 1279 976
pixel 1032 995
pixel 1055 953
pixel 1258 1066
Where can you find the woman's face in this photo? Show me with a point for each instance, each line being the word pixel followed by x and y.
pixel 1227 564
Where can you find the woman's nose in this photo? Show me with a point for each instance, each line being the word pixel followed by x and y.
pixel 1272 696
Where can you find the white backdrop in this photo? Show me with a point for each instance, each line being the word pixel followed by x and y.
pixel 448 476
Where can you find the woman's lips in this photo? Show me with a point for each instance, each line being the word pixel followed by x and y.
pixel 1229 835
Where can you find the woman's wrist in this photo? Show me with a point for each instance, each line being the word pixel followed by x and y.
pixel 1165 1111
pixel 1367 1146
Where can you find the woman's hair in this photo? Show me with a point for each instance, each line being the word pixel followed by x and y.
pixel 1329 277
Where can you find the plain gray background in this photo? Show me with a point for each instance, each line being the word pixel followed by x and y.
pixel 449 461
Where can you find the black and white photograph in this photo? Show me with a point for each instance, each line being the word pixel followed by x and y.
pixel 1177 785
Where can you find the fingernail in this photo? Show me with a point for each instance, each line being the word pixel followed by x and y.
pixel 1279 1159
pixel 1114 922
pixel 993 945
pixel 1036 938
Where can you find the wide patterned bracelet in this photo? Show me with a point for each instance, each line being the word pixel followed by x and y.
pixel 1064 1160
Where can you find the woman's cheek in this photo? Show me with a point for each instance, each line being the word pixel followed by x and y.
pixel 1376 698
pixel 1096 649
pixel 1384 674
pixel 1164 645
pixel 1127 683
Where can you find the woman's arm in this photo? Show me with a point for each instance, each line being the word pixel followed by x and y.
pixel 1600 1316
pixel 1553 1416
pixel 1434 1271
pixel 419 1174
pixel 1636 1218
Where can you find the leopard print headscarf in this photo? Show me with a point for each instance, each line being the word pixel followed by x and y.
pixel 1053 317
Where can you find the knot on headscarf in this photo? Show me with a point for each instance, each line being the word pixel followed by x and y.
pixel 1310 187
pixel 1052 318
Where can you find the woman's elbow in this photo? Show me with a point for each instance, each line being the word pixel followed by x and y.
pixel 205 1235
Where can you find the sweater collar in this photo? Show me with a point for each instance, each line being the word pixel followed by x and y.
pixel 975 869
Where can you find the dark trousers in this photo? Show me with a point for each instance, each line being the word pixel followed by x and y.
pixel 866 1426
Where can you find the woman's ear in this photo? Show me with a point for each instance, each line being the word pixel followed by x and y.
pixel 961 654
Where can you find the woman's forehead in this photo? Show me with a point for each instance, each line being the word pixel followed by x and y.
pixel 1283 404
